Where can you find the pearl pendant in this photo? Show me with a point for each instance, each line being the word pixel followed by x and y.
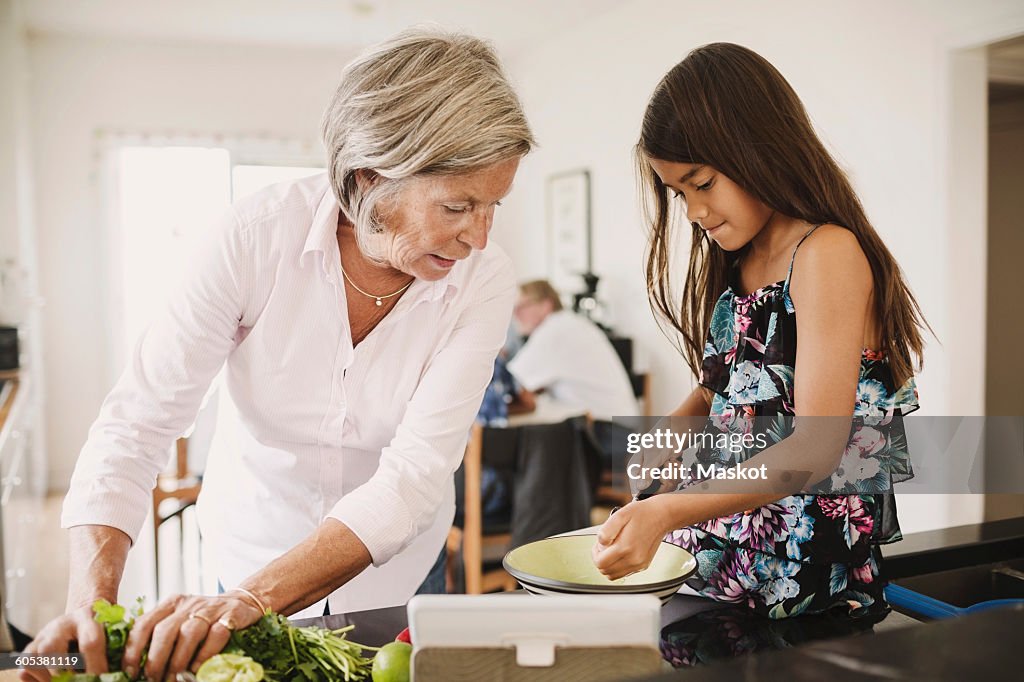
pixel 379 302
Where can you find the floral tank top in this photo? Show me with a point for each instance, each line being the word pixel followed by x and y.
pixel 749 360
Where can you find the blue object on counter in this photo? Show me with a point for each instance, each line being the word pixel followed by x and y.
pixel 930 607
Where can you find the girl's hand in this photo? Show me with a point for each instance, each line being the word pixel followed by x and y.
pixel 690 417
pixel 183 631
pixel 642 463
pixel 628 540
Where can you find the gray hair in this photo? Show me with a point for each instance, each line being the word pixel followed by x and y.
pixel 424 102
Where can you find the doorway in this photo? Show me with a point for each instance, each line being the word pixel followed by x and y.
pixel 1004 363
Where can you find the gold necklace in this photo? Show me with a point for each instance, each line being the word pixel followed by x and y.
pixel 380 299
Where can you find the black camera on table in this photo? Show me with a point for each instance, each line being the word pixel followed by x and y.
pixel 8 348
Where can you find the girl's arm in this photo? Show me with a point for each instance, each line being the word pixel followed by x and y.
pixel 697 404
pixel 831 289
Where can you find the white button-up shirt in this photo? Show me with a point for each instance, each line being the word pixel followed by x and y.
pixel 570 358
pixel 368 435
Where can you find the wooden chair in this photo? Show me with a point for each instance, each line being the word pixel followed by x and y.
pixel 471 539
pixel 607 495
pixel 553 475
pixel 183 487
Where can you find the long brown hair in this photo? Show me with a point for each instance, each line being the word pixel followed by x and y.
pixel 727 107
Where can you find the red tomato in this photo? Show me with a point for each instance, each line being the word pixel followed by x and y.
pixel 403 636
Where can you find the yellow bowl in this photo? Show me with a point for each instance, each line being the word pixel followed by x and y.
pixel 563 565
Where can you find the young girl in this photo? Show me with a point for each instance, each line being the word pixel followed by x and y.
pixel 781 250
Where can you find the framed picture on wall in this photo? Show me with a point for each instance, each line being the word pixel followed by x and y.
pixel 568 214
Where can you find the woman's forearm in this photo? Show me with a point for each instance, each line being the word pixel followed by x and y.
pixel 99 553
pixel 311 570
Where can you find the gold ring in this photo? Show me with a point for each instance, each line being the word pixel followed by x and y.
pixel 199 616
pixel 226 622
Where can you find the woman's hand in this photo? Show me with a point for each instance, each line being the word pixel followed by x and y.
pixel 78 626
pixel 183 631
pixel 628 540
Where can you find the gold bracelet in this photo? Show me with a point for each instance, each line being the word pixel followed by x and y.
pixel 250 595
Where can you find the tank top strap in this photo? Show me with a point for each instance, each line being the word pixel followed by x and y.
pixel 789 275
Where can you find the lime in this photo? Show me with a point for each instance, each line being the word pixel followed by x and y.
pixel 391 664
pixel 230 668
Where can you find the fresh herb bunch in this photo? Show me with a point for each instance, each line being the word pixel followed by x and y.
pixel 287 653
pixel 116 627
pixel 83 677
pixel 310 654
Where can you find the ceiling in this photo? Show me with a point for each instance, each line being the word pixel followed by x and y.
pixel 511 25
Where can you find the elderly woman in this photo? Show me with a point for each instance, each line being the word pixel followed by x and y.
pixel 358 314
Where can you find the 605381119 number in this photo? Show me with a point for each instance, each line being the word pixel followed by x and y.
pixel 15 659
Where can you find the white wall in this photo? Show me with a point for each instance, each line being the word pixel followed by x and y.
pixel 81 86
pixel 876 79
pixel 16 217
pixel 10 73
pixel 19 300
pixel 875 76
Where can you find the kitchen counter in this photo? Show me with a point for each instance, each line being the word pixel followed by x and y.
pixel 708 640
pixel 952 548
pixel 980 646
pixel 977 646
pixel 694 630
pixel 375 627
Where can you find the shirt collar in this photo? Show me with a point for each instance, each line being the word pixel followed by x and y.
pixel 324 228
pixel 322 237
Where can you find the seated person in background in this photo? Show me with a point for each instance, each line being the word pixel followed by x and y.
pixel 494 489
pixel 567 357
pixel 500 394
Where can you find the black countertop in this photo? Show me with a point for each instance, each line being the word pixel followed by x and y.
pixel 695 631
pixel 975 647
pixel 708 640
pixel 982 646
pixel 372 628
pixel 951 548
